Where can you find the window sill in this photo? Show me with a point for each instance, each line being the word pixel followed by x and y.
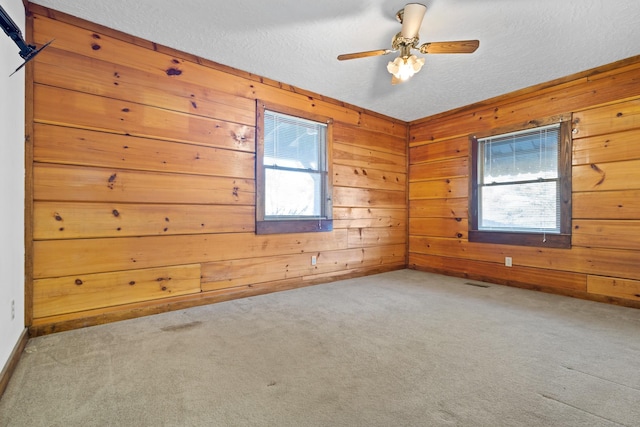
pixel 294 226
pixel 558 241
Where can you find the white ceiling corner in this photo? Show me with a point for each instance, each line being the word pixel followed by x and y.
pixel 522 43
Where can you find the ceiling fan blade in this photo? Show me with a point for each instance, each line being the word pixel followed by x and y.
pixel 366 54
pixel 462 46
pixel 412 16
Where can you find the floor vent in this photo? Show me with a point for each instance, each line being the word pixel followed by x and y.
pixel 477 285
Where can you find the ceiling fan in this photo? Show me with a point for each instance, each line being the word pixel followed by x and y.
pixel 407 64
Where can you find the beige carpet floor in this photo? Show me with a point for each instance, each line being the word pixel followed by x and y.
pixel 403 348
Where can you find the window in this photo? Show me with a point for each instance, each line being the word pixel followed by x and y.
pixel 521 187
pixel 294 189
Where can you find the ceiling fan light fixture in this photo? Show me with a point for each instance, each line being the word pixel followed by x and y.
pixel 404 68
pixel 407 64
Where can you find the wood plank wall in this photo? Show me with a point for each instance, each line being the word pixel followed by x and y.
pixel 143 182
pixel 603 263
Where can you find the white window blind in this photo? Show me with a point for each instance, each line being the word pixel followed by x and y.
pixel 519 182
pixel 295 167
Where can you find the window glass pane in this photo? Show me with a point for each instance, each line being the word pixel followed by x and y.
pixel 520 207
pixel 526 156
pixel 291 142
pixel 293 193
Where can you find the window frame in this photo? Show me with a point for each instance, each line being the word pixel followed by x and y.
pixel 560 240
pixel 271 225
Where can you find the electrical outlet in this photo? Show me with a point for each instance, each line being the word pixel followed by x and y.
pixel 314 259
pixel 13 309
pixel 508 262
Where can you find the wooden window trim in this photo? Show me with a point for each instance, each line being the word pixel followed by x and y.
pixel 275 226
pixel 561 240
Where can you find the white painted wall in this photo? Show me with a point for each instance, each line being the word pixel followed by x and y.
pixel 12 104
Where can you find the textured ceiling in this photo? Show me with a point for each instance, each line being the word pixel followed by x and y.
pixel 522 43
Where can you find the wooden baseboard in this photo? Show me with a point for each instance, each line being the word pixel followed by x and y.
pixel 533 287
pixel 11 364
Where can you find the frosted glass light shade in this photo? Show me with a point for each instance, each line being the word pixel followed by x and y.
pixel 404 68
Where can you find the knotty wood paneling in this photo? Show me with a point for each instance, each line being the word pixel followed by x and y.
pixel 362 156
pixel 439 169
pixel 77 220
pixel 75 109
pixel 64 145
pixel 349 176
pixel 610 147
pixel 614 234
pixel 73 183
pixel 621 288
pixel 387 143
pixel 450 148
pixel 624 204
pixel 143 190
pixel 364 197
pixel 538 277
pixel 233 273
pixel 604 106
pixel 604 262
pixel 573 93
pixel 607 176
pixel 54 258
pixel 368 217
pixel 607 119
pixel 439 208
pixel 62 295
pixel 439 227
pixel 70 70
pixel 367 237
pixel 95 42
pixel 439 189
